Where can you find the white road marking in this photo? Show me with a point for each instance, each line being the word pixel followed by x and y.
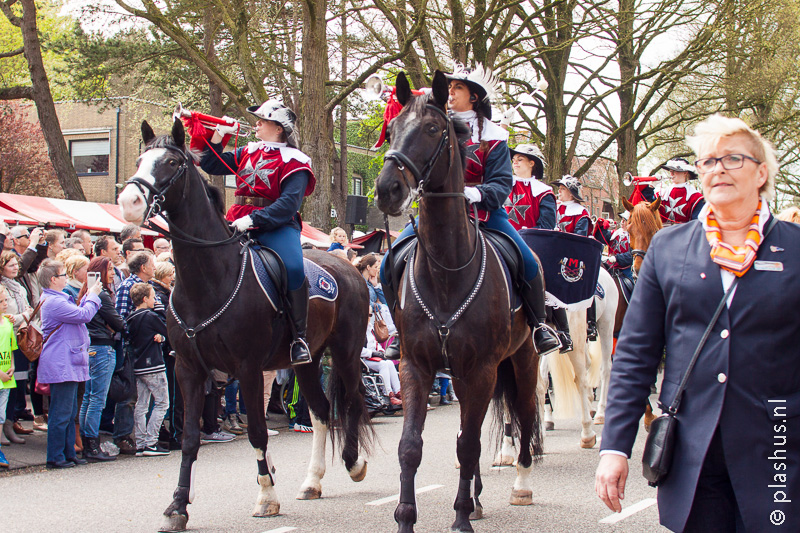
pixel 281 530
pixel 396 497
pixel 502 467
pixel 628 511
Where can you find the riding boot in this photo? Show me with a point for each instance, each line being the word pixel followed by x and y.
pixel 544 339
pixel 562 328
pixel 591 322
pixel 298 308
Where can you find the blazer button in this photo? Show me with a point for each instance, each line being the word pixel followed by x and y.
pixel 724 333
pixel 722 378
pixel 702 275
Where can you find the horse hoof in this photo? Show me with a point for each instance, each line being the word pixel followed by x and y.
pixel 174 522
pixel 504 460
pixel 359 470
pixel 467 528
pixel 477 514
pixel 589 443
pixel 549 426
pixel 311 493
pixel 599 420
pixel 521 497
pixel 262 510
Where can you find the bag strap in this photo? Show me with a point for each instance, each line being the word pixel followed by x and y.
pixel 673 408
pixel 35 312
pixel 51 334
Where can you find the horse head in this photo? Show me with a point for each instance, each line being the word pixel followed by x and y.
pixel 419 137
pixel 644 222
pixel 164 161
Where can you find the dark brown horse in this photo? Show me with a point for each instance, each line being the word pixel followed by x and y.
pixel 488 349
pixel 232 326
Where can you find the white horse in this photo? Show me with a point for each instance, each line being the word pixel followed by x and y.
pixel 577 372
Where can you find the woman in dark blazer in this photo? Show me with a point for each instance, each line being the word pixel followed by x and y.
pixel 735 466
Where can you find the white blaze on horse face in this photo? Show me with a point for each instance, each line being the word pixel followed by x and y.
pixel 131 200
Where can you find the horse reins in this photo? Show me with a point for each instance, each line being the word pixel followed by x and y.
pixel 155 208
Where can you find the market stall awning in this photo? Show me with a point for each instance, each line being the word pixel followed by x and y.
pixel 42 210
pixel 12 219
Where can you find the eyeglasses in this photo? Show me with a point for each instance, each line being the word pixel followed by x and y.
pixel 729 162
pixel 64 275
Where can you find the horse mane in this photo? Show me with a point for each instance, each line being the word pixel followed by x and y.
pixel 214 194
pixel 643 223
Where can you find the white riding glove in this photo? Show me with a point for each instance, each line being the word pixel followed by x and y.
pixel 612 259
pixel 473 194
pixel 224 129
pixel 508 116
pixel 242 224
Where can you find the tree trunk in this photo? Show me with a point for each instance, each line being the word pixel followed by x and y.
pixel 315 124
pixel 627 155
pixel 45 108
pixel 214 90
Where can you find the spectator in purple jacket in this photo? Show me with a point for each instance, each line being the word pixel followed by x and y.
pixel 65 358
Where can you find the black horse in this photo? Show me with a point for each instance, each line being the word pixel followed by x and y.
pixel 226 323
pixel 454 307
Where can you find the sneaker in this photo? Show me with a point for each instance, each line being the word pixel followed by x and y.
pixel 126 446
pixel 175 444
pixel 110 448
pixel 300 428
pixel 155 450
pixel 231 425
pixel 272 432
pixel 4 461
pixel 139 452
pixel 217 436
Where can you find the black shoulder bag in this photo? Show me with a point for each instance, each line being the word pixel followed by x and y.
pixel 660 445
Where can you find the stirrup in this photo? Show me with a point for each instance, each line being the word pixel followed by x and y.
pixel 591 331
pixel 299 352
pixel 542 350
pixel 566 342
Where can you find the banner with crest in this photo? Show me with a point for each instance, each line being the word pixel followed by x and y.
pixel 571 265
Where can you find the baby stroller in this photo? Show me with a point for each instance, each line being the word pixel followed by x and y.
pixel 376 395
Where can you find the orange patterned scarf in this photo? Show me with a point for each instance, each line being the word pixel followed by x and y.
pixel 735 259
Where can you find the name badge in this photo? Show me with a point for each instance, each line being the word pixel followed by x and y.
pixel 768 266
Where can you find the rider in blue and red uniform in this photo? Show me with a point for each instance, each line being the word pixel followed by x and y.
pixel 272 178
pixel 488 183
pixel 574 218
pixel 681 202
pixel 620 257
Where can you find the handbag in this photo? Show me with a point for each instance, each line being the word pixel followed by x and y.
pixel 660 444
pixel 379 328
pixel 123 381
pixel 42 388
pixel 29 339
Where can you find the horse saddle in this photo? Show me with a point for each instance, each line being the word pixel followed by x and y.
pixel 503 246
pixel 270 272
pixel 627 285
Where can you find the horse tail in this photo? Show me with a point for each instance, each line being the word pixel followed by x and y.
pixel 595 359
pixel 348 411
pixel 505 412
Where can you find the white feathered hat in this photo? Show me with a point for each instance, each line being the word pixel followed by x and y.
pixel 481 81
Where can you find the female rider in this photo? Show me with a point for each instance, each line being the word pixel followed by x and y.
pixel 574 218
pixel 272 178
pixel 681 202
pixel 488 183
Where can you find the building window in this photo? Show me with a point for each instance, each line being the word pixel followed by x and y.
pixel 357 181
pixel 90 157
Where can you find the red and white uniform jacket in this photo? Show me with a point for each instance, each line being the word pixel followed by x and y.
pixel 489 170
pixel 574 218
pixel 679 203
pixel 529 200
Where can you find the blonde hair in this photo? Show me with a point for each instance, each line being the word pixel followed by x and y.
pixel 336 230
pixel 163 269
pixel 66 253
pixel 790 214
pixel 709 132
pixel 75 262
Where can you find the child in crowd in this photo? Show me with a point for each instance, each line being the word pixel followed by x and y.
pixel 8 343
pixel 146 332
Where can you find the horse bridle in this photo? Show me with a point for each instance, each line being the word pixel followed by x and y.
pixel 155 207
pixel 403 162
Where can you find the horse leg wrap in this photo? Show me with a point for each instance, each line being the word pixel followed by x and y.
pixel 509 432
pixel 464 493
pixel 266 468
pixel 408 493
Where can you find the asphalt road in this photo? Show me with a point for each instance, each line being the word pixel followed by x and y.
pixel 131 493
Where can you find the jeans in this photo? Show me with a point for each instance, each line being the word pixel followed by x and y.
pixel 4 393
pixel 231 391
pixel 123 419
pixel 61 421
pixel 498 221
pixel 148 385
pixel 102 359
